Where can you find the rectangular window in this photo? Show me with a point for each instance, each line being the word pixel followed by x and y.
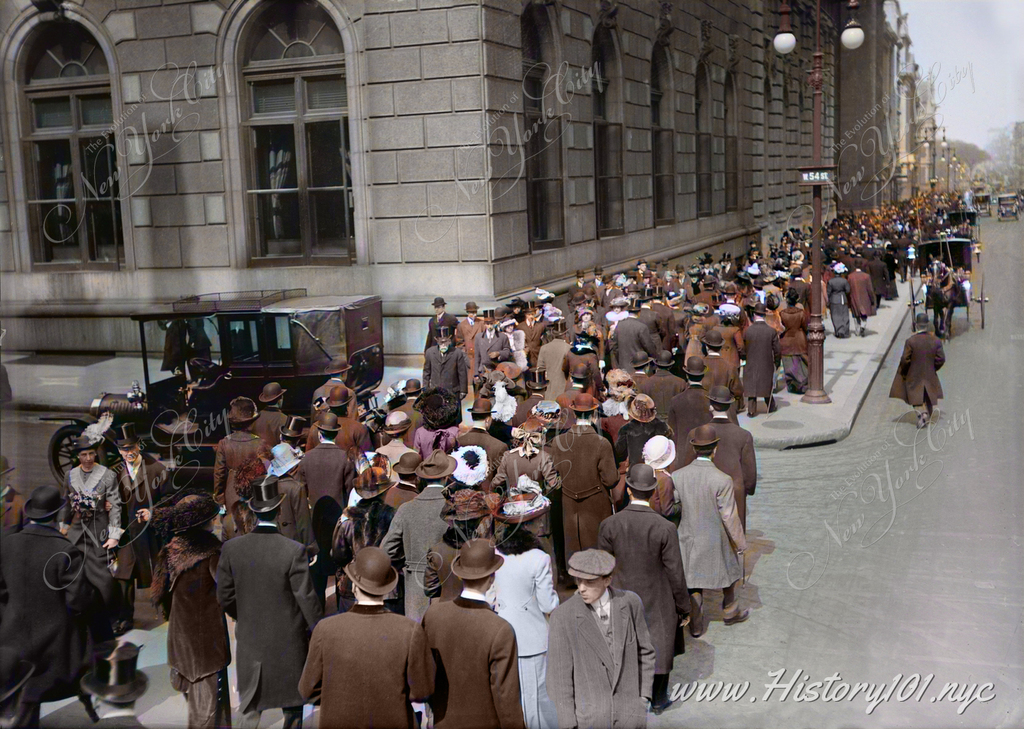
pixel 544 182
pixel 703 174
pixel 663 151
pixel 732 175
pixel 608 161
pixel 244 341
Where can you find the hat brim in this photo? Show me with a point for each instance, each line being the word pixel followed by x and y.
pixel 121 444
pixel 258 506
pixel 371 589
pixel 584 410
pixel 398 429
pixel 91 447
pixel 198 519
pixel 704 443
pixel 522 518
pixel 585 575
pixel 123 694
pixel 477 574
pixel 665 461
pixel 696 374
pixel 640 419
pixel 264 398
pixel 34 514
pixel 374 492
pixel 643 488
pixel 401 472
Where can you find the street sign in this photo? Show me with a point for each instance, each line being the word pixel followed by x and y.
pixel 817 175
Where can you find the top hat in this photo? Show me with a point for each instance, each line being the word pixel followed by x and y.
pixel 487 314
pixel 371 571
pixel 285 459
pixel 242 412
pixel 720 395
pixel 476 560
pixel 438 301
pixel 413 387
pixel 713 339
pixel 128 437
pixel 437 466
pixel 407 464
pixel 579 371
pixel 704 435
pixel 85 443
pixel 665 359
pixel 397 422
pixel 371 482
pixel 328 423
pixel 339 396
pixel 641 478
pixel 559 327
pixel 583 402
pixel 641 359
pixel 272 392
pixel 337 366
pixel 659 452
pixel 694 366
pixel 591 564
pixel 481 406
pixel 536 379
pixel 471 307
pixel 44 502
pixel 444 332
pixel 646 293
pixel 292 427
pixel 193 510
pixel 642 409
pixel 115 677
pixel 266 496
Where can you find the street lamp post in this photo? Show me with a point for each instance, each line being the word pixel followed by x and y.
pixel 852 38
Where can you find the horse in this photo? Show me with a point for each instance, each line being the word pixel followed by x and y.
pixel 957 296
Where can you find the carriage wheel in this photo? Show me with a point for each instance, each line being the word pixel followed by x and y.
pixel 62 458
pixel 982 302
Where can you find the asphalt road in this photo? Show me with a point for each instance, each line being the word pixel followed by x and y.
pixel 884 559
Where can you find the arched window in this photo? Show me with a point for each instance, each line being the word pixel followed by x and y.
pixel 732 152
pixel 607 135
pixel 543 134
pixel 299 172
pixel 73 193
pixel 791 144
pixel 662 137
pixel 702 110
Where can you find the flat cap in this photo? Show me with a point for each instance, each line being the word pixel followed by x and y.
pixel 591 564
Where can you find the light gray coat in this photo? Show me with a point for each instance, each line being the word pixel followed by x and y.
pixel 709 521
pixel 416 527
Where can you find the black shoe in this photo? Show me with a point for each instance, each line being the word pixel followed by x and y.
pixel 661 706
pixel 737 617
pixel 697 626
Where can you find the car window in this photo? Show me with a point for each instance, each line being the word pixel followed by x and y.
pixel 244 340
pixel 279 340
pixel 172 342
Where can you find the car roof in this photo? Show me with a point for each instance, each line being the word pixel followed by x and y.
pixel 206 305
pixel 316 303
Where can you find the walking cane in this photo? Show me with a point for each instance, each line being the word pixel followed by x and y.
pixel 743 564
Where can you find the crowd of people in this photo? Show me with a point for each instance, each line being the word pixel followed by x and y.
pixel 601 450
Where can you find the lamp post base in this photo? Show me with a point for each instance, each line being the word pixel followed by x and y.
pixel 816 397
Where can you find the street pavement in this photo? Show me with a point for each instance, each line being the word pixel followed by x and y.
pixel 890 556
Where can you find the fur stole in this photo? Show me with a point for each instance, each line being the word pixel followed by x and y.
pixel 182 553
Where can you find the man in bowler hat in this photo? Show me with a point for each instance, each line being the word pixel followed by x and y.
pixel 268 425
pixel 441 318
pixel 917 381
pixel 232 451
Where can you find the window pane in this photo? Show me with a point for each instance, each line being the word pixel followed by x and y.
pixel 543 148
pixel 274 97
pixel 327 93
pixel 50 113
pixel 664 197
pixel 609 145
pixel 545 211
pixel 277 221
pixel 663 151
pixel 245 346
pixel 275 158
pixel 326 159
pixel 55 231
pixel 332 217
pixel 53 170
pixel 293 29
pixel 610 207
pixel 99 168
pixel 96 110
pixel 64 50
pixel 103 229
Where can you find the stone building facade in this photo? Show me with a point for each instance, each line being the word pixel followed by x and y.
pixel 404 148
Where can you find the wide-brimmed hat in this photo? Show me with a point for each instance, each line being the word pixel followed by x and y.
pixel 481 406
pixel 328 424
pixel 583 402
pixel 371 571
pixel 720 395
pixel 641 477
pixel 713 339
pixel 438 301
pixel 272 392
pixel 476 560
pixel 642 409
pixel 467 504
pixel 44 502
pixel 591 564
pixel 665 359
pixel 438 465
pixel 397 422
pixel 407 464
pixel 337 366
pixel 535 379
pixel 127 437
pixel 292 427
pixel 659 452
pixel 472 465
pixel 371 482
pixel 695 367
pixel 193 510
pixel 471 307
pixel 115 677
pixel 242 412
pixel 704 435
pixel 285 459
pixel 266 495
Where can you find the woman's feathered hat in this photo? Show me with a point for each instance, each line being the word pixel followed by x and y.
pixel 439 407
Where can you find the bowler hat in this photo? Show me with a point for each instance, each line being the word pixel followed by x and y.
pixel 481 406
pixel 642 409
pixel 641 359
pixel 760 309
pixel 536 379
pixel 921 321
pixel 720 395
pixel 127 437
pixel 371 571
pixel 292 427
pixel 371 482
pixel 476 560
pixel 713 339
pixel 44 502
pixel 266 496
pixel 272 392
pixel 337 366
pixel 438 465
pixel 328 423
pixel 641 478
pixel 579 372
pixel 242 412
pixel 583 402
pixel 397 422
pixel 704 435
pixel 438 301
pixel 471 307
pixel 591 564
pixel 339 396
pixel 580 273
pixel 665 359
pixel 695 367
pixel 407 464
pixel 413 387
pixel 115 677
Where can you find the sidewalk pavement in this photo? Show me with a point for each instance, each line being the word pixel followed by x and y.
pixel 69 383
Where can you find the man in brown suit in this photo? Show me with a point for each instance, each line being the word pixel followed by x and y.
pixel 689 408
pixel 862 297
pixel 803 289
pixel 720 370
pixel 763 353
pixel 917 381
pixel 367 665
pixel 468 328
pixel 533 328
pixel 232 452
pixel 661 385
pixel 268 425
pixel 477 435
pixel 734 456
pixel 585 462
pixel 477 683
pixel 536 383
pixel 552 355
pixel 338 370
pixel 405 488
pixel 353 437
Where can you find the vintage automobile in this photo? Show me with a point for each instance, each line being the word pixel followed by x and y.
pixel 216 347
pixel 1009 207
pixel 983 204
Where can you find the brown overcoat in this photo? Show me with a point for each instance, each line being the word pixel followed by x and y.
pixel 764 353
pixel 661 387
pixel 862 294
pixel 268 425
pixel 794 339
pixel 327 471
pixel 232 452
pixel 916 376
pixel 722 372
pixel 688 410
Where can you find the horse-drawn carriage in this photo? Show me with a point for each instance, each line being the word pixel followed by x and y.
pixel 983 204
pixel 1009 206
pixel 946 267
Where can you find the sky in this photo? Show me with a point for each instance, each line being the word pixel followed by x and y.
pixel 982 42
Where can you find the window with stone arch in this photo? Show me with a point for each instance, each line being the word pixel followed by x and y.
pixel 74 206
pixel 732 151
pixel 295 134
pixel 608 168
pixel 791 144
pixel 662 136
pixel 702 112
pixel 543 134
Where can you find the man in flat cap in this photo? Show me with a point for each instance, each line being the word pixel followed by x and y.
pixel 441 318
pixel 600 655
